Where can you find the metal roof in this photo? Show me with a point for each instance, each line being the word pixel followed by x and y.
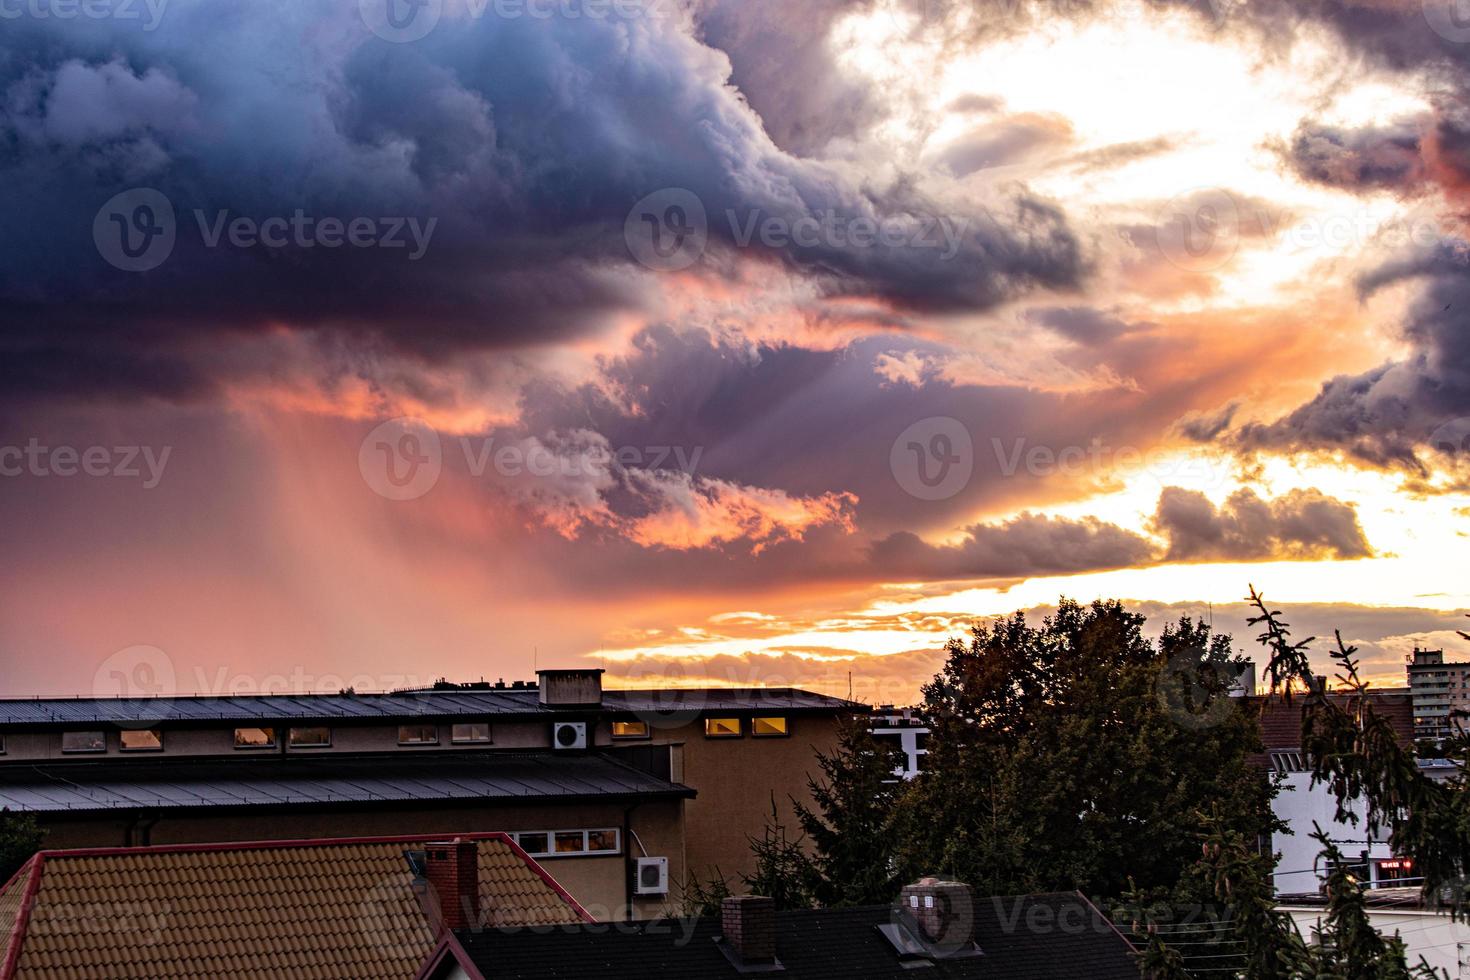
pixel 397 706
pixel 69 786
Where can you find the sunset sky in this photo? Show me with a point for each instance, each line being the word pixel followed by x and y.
pixel 740 341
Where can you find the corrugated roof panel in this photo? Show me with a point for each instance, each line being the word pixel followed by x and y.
pixel 321 780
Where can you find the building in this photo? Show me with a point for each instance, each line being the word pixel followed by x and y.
pixel 1301 805
pixel 1440 939
pixel 907 731
pixel 936 928
pixel 1440 690
pixel 365 908
pixel 628 793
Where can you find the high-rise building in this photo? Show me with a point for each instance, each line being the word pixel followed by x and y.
pixel 1440 690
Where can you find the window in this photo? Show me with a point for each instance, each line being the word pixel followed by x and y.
pixel 418 734
pixel 569 843
pixel 722 728
pixel 475 731
pixel 2 744
pixel 255 738
pixel 143 740
pixel 769 727
pixel 83 742
pixel 534 843
pixel 630 729
pixel 311 738
pixel 1288 761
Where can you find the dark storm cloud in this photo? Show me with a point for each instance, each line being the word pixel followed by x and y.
pixel 1301 524
pixel 525 141
pixel 1030 545
pixel 1358 159
pixel 1388 416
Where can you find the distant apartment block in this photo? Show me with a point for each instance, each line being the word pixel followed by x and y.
pixel 907 732
pixel 1440 690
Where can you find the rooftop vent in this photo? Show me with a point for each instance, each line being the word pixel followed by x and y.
pixel 933 919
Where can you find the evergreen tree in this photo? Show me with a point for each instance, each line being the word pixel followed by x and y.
pixel 853 856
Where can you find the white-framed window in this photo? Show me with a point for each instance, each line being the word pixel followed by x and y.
pixel 311 737
pixel 140 740
pixel 84 741
pixel 570 843
pixel 418 734
pixel 2 743
pixel 255 738
pixel 470 732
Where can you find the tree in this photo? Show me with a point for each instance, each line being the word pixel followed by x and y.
pixel 20 837
pixel 1078 754
pixel 784 871
pixel 850 828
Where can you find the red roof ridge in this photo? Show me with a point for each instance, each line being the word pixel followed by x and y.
pixel 211 847
pixel 16 939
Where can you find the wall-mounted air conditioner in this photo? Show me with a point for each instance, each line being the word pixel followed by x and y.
pixel 651 876
pixel 569 735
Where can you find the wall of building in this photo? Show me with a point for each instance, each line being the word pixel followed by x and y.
pixel 1444 943
pixel 736 780
pixel 599 882
pixel 1299 805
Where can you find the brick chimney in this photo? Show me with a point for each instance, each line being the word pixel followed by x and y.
pixel 452 869
pixel 748 924
pixel 580 688
pixel 943 911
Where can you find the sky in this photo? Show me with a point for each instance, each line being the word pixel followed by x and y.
pixel 720 341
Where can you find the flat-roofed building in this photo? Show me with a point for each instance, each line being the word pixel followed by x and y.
pixel 1440 689
pixel 628 794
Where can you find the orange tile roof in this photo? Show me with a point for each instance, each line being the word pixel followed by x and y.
pixel 329 909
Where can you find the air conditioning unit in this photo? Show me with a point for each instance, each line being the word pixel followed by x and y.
pixel 651 876
pixel 567 735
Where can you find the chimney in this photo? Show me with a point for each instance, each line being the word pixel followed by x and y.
pixel 942 911
pixel 452 869
pixel 581 688
pixel 748 925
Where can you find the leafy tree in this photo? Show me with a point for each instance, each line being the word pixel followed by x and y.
pixel 20 837
pixel 1078 754
pixel 849 829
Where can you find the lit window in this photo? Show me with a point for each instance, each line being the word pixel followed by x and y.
pixel 314 737
pixel 143 740
pixel 475 731
pixel 418 734
pixel 83 742
pixel 255 738
pixel 569 843
pixel 722 728
pixel 630 729
pixel 768 727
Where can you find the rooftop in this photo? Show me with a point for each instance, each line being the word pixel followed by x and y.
pixel 322 908
pixel 445 703
pixel 1036 937
pixel 66 785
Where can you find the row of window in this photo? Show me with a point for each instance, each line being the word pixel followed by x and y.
pixel 568 843
pixel 464 733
